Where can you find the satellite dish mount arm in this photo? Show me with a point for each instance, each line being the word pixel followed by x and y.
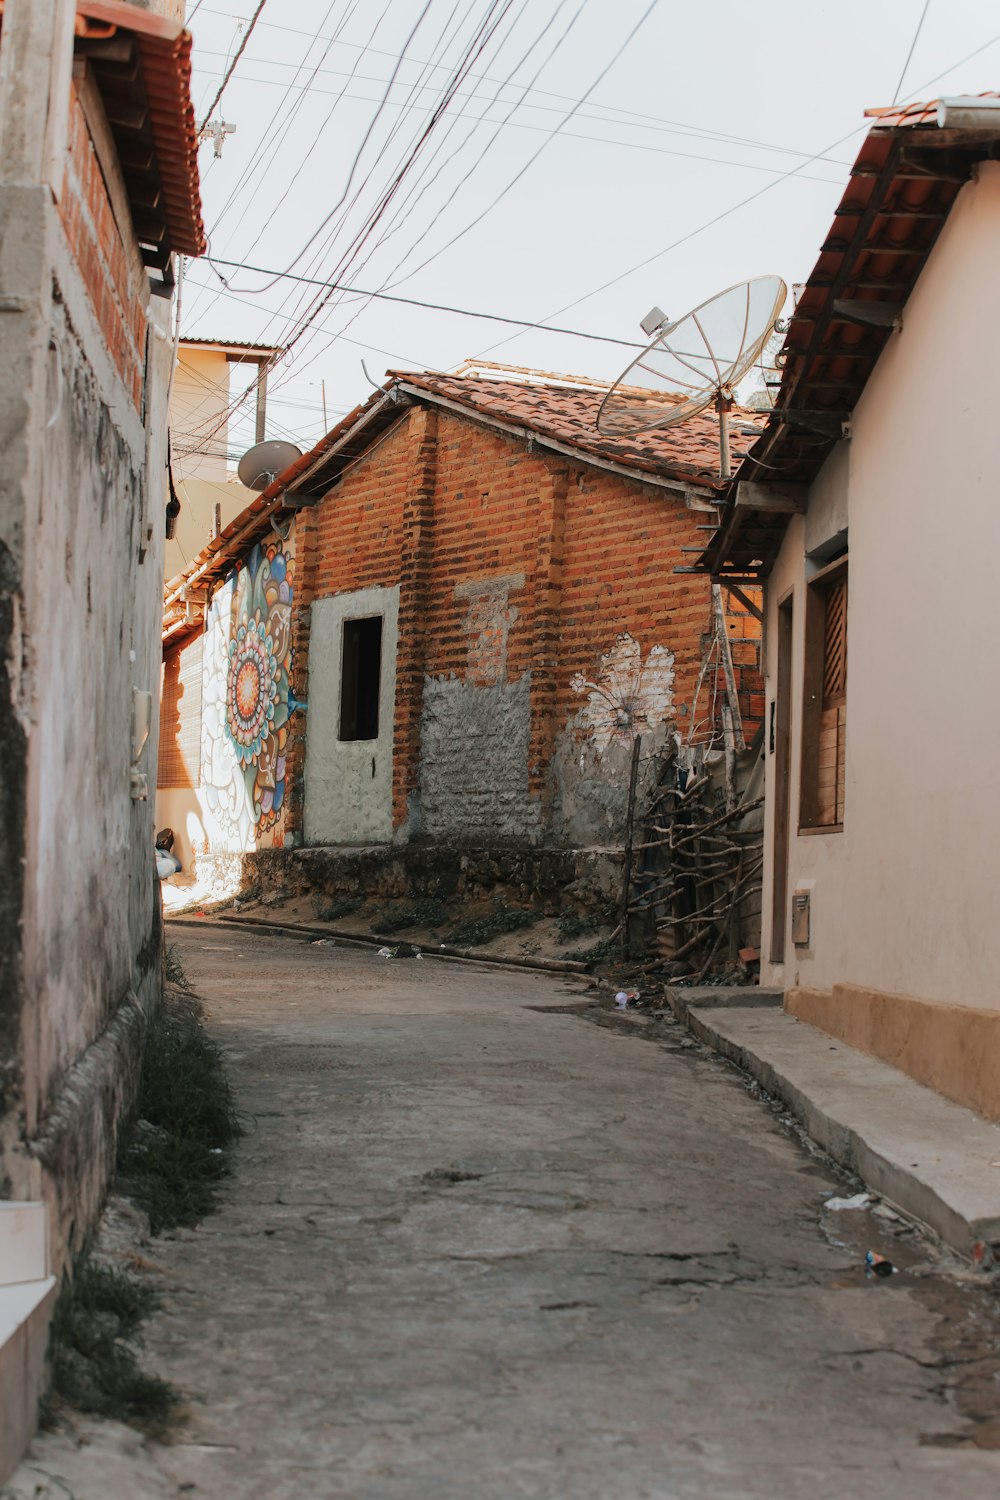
pixel 723 402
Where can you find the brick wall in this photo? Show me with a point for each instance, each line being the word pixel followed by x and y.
pixel 517 570
pixel 115 283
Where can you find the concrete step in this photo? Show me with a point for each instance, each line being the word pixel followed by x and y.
pixel 27 1297
pixel 935 1160
pixel 25 1314
pixel 24 1248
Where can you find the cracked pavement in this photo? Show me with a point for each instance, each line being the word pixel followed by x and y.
pixel 475 1246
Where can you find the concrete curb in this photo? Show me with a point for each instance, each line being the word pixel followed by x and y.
pixel 930 1157
pixel 360 940
pixel 705 996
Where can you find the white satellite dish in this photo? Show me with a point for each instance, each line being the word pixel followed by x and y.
pixel 696 361
pixel 261 464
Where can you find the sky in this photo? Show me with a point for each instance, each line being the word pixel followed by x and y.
pixel 556 161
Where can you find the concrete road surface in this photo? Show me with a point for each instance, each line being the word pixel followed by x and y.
pixel 477 1247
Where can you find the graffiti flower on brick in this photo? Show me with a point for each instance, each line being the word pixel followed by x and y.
pixel 630 696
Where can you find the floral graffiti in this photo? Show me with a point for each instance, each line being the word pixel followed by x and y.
pixel 248 698
pixel 630 696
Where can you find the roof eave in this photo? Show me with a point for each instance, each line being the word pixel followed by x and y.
pixel 802 432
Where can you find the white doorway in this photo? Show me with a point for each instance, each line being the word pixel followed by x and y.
pixel 349 731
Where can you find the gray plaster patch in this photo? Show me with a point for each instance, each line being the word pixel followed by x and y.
pixel 590 788
pixel 488 624
pixel 474 760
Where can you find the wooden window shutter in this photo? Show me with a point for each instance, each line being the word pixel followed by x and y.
pixel 824 701
pixel 180 717
pixel 833 715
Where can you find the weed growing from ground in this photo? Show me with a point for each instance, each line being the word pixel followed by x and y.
pixel 400 915
pixel 570 924
pixel 170 1163
pixel 601 949
pixel 175 1154
pixel 478 930
pixel 340 906
pixel 174 972
pixel 95 1327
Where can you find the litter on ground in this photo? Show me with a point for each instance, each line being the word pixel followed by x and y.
pixel 859 1200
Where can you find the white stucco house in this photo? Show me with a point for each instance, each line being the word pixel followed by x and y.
pixel 871 507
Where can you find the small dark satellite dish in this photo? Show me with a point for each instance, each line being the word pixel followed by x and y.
pixel 261 464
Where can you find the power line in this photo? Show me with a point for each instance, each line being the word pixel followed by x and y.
pixel 302 320
pixel 462 312
pixel 396 222
pixel 373 348
pixel 268 135
pixel 577 104
pixel 743 202
pixel 657 121
pixel 534 156
pixel 909 55
pixel 642 121
pixel 568 135
pixel 386 198
pixel 232 66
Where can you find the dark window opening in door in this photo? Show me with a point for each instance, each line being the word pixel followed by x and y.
pixel 360 678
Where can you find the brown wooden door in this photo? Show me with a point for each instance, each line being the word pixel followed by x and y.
pixel 781 749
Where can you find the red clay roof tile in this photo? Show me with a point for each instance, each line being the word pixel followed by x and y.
pixel 567 414
pixel 895 115
pixel 164 48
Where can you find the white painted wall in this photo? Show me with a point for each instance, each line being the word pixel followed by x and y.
pixel 199 401
pixel 904 899
pixel 348 784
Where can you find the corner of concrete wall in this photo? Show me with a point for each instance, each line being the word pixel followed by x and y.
pixel 80 590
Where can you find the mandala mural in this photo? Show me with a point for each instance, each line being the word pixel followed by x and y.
pixel 247 698
pixel 630 696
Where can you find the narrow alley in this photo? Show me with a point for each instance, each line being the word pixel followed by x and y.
pixel 477 1246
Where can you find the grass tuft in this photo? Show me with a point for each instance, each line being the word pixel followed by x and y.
pixel 175 1155
pixel 570 925
pixel 174 972
pixel 478 930
pixel 94 1366
pixel 400 915
pixel 340 906
pixel 601 949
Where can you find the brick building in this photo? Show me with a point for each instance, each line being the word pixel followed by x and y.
pixel 98 192
pixel 476 594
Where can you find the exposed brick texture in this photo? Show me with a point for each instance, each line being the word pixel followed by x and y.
pixel 118 292
pixel 510 561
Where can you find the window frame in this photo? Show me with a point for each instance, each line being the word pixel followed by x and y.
pixel 814 704
pixel 351 675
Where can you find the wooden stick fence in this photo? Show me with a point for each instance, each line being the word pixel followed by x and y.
pixel 695 868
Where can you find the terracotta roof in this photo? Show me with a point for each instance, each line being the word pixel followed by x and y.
pixel 898 115
pixel 901 189
pixel 562 415
pixel 146 90
pixel 164 55
pixel 567 414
